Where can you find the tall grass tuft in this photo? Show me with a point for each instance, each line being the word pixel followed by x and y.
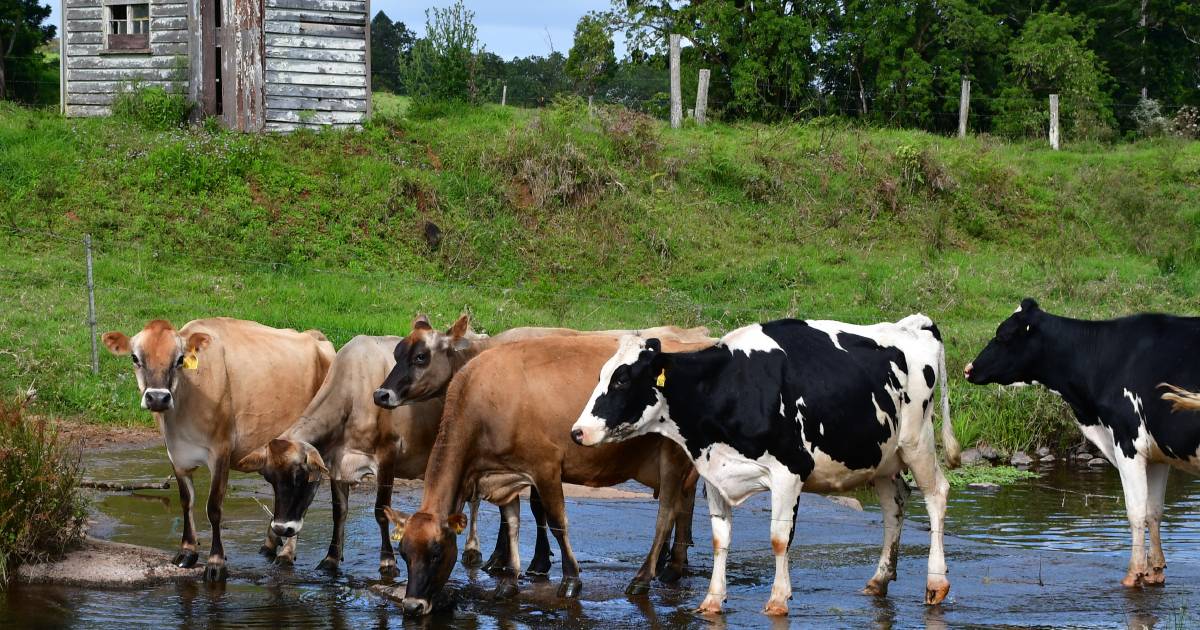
pixel 41 510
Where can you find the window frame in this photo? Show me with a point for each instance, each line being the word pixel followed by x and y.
pixel 126 42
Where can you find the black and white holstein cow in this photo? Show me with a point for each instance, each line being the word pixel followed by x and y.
pixel 787 406
pixel 1111 373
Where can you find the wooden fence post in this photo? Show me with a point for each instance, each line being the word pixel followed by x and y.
pixel 676 87
pixel 91 289
pixel 591 110
pixel 1054 121
pixel 964 105
pixel 503 95
pixel 702 98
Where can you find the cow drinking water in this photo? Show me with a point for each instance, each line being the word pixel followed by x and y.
pixel 1109 373
pixel 220 388
pixel 785 406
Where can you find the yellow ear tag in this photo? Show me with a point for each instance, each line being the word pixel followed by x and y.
pixel 458 529
pixel 398 534
pixel 191 361
pixel 662 379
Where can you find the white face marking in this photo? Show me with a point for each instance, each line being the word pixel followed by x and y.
pixel 749 339
pixel 295 526
pixel 594 428
pixel 155 390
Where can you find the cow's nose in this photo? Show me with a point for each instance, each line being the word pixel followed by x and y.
pixel 967 370
pixel 414 606
pixel 283 530
pixel 157 399
pixel 577 435
pixel 386 398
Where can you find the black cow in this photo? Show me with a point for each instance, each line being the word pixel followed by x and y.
pixel 786 405
pixel 1111 374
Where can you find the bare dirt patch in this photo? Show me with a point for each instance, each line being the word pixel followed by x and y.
pixel 105 564
pixel 91 436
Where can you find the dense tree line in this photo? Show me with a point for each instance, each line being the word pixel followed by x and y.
pixel 894 62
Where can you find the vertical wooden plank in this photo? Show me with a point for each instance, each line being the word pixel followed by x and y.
pixel 676 86
pixel 1054 121
pixel 370 99
pixel 242 75
pixel 702 97
pixel 964 105
pixel 62 60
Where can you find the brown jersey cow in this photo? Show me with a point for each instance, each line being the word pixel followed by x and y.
pixel 220 388
pixel 507 426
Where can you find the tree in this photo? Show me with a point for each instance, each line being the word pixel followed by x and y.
pixel 21 32
pixel 445 65
pixel 591 59
pixel 391 46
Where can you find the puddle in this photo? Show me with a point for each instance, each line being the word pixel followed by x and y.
pixel 1046 552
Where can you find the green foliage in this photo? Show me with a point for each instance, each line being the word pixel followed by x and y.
pixel 41 511
pixel 152 107
pixel 1000 475
pixel 445 64
pixel 21 33
pixel 391 46
pixel 591 59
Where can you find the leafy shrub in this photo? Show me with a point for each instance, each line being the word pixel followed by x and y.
pixel 1186 122
pixel 634 136
pixel 1149 118
pixel 152 107
pixel 41 510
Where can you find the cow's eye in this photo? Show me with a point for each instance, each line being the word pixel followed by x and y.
pixel 621 380
pixel 179 361
pixel 136 362
pixel 421 359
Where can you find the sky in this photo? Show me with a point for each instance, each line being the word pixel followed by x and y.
pixel 507 28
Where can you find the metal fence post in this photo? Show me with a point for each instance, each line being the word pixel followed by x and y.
pixel 91 288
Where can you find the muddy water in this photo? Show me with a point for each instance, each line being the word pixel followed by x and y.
pixel 1044 553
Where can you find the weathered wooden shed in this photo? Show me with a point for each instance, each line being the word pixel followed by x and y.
pixel 269 65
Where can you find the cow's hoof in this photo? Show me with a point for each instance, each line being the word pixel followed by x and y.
pixel 537 576
pixel 214 573
pixel 329 563
pixel 472 558
pixel 506 589
pixel 284 561
pixel 936 590
pixel 570 588
pixel 266 551
pixel 388 569
pixel 775 609
pixel 539 566
pixel 670 574
pixel 185 559
pixel 1132 580
pixel 710 606
pixel 1156 577
pixel 876 588
pixel 495 569
pixel 637 587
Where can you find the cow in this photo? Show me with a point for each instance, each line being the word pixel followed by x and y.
pixel 786 406
pixel 358 439
pixel 220 388
pixel 506 427
pixel 1109 373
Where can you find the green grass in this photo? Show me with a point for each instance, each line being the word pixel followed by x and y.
pixel 1000 475
pixel 556 218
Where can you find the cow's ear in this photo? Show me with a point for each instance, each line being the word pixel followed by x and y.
pixel 458 333
pixel 654 345
pixel 197 341
pixel 316 466
pixel 457 523
pixel 422 323
pixel 254 462
pixel 116 342
pixel 1029 305
pixel 398 519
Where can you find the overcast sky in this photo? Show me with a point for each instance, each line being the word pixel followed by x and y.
pixel 509 29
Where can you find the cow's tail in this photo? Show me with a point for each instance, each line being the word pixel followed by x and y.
pixel 1181 399
pixel 949 441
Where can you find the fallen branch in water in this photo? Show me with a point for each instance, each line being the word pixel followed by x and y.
pixel 117 486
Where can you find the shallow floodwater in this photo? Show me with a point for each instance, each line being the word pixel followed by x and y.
pixel 1048 552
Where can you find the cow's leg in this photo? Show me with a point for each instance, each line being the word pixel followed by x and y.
pixel 214 568
pixel 498 562
pixel 785 500
pixel 922 461
pixel 340 495
pixel 471 556
pixel 187 555
pixel 539 566
pixel 1134 483
pixel 383 498
pixel 721 514
pixel 893 495
pixel 506 586
pixel 668 498
pixel 1156 482
pixel 553 501
pixel 685 507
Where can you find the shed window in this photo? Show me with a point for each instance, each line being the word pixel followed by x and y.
pixel 128 26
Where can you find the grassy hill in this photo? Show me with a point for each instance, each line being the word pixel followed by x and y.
pixel 558 217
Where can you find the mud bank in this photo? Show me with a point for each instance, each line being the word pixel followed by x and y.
pixel 106 564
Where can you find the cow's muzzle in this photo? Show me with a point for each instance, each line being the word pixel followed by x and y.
pixel 157 399
pixel 386 398
pixel 286 529
pixel 415 607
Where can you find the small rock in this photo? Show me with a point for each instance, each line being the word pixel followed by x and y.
pixel 1021 459
pixel 984 485
pixel 989 453
pixel 1083 456
pixel 972 457
pixel 1047 458
pixel 849 502
pixel 1043 451
pixel 1097 462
